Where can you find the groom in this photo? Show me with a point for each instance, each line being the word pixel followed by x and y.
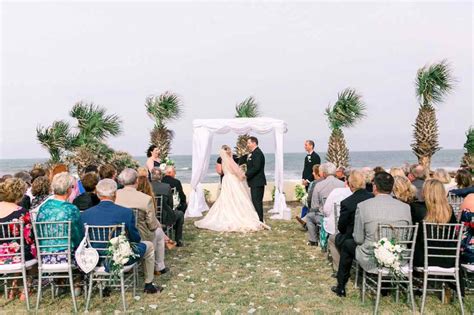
pixel 255 174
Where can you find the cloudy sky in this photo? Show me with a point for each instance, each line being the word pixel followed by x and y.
pixel 293 57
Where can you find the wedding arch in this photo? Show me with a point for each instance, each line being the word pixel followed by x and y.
pixel 203 134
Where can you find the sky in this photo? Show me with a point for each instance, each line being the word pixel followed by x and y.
pixel 293 58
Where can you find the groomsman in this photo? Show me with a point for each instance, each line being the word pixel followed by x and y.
pixel 312 158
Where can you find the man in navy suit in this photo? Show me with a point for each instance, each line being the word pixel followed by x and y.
pixel 108 213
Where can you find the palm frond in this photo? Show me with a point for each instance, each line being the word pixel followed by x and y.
pixel 433 83
pixel 162 108
pixel 54 138
pixel 247 109
pixel 347 111
pixel 469 145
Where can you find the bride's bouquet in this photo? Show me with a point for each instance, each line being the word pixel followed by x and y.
pixel 166 162
pixel 388 254
pixel 119 252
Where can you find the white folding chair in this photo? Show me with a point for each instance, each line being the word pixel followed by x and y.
pixel 98 236
pixel 455 202
pixel 441 241
pixel 53 240
pixel 380 278
pixel 159 215
pixel 12 232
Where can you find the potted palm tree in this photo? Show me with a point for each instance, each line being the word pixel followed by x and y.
pixel 345 113
pixel 246 109
pixel 433 84
pixel 468 158
pixel 162 109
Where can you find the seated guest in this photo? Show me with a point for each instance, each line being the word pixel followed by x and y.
pixel 147 223
pixel 311 185
pixel 382 209
pixel 109 213
pixel 170 217
pixel 5 177
pixel 40 188
pixel 417 177
pixel 340 173
pixel 464 183
pixel 170 178
pixel 36 172
pixel 88 169
pixel 467 243
pixel 109 171
pixel 443 176
pixel 26 200
pixel 320 193
pixel 142 171
pixel 434 209
pixel 12 191
pixel 59 209
pixel 88 199
pixel 378 169
pixel 342 261
pixel 403 189
pixel 369 178
pixel 397 171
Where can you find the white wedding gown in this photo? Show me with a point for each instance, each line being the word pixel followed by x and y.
pixel 233 210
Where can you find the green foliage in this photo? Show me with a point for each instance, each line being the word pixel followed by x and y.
pixel 433 83
pixel 347 110
pixel 469 145
pixel 299 192
pixel 247 109
pixel 163 108
pixel 55 139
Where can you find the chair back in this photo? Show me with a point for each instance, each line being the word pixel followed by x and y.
pixel 98 236
pixel 442 241
pixel 159 207
pixel 455 203
pixel 322 201
pixel 337 212
pixel 405 236
pixel 136 213
pixel 52 239
pixel 12 232
pixel 176 198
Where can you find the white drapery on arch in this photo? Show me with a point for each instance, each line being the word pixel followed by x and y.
pixel 204 130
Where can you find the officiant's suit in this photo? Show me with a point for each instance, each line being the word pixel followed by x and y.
pixel 256 178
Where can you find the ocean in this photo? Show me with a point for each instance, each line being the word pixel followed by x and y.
pixel 293 163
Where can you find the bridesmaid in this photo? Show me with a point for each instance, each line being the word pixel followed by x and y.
pixel 153 160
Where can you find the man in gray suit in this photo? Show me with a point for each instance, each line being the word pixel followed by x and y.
pixel 382 209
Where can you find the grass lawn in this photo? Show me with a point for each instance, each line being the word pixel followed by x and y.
pixel 264 273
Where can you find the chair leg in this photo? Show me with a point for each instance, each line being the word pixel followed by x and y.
pixel 356 281
pixel 89 293
pixel 425 286
pixel 40 287
pixel 25 288
pixel 5 286
pixel 363 286
pixel 122 289
pixel 71 286
pixel 379 288
pixel 411 296
pixel 458 289
pixel 135 275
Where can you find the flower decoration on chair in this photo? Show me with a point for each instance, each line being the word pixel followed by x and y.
pixel 119 252
pixel 166 162
pixel 388 255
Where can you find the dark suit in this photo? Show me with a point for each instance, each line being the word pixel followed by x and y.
pixel 344 239
pixel 175 183
pixel 86 200
pixel 170 217
pixel 256 178
pixel 309 161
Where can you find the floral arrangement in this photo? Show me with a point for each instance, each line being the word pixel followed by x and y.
pixel 301 194
pixel 119 252
pixel 166 162
pixel 388 254
pixel 176 200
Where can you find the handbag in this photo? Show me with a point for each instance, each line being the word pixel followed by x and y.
pixel 86 256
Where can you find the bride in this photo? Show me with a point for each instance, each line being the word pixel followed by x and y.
pixel 233 210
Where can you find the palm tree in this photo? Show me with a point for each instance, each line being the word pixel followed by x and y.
pixel 433 84
pixel 346 112
pixel 56 139
pixel 468 158
pixel 246 109
pixel 162 109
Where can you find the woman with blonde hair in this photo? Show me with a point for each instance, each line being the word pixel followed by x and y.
pixel 443 176
pixel 434 209
pixel 397 171
pixel 403 189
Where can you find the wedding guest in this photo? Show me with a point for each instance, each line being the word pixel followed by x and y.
pixel 467 243
pixel 320 194
pixel 311 159
pixel 109 213
pixel 382 209
pixel 170 178
pixel 91 168
pixel 41 192
pixel 417 177
pixel 57 209
pixel 443 176
pixel 153 155
pixel 464 183
pixel 109 171
pixel 397 171
pixel 147 223
pixel 316 180
pixel 5 177
pixel 142 171
pixel 369 178
pixel 378 169
pixel 174 218
pixel 26 200
pixel 403 189
pixel 345 226
pixel 88 199
pixel 340 173
pixel 36 172
pixel 433 209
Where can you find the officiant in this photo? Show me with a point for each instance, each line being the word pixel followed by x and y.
pixel 311 159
